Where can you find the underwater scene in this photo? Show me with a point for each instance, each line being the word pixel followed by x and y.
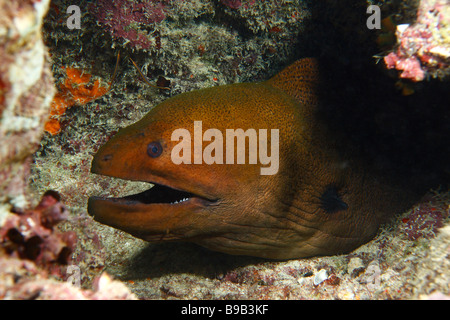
pixel 224 150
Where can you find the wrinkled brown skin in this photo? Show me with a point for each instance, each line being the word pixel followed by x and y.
pixel 272 216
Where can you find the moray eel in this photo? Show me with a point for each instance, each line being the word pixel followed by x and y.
pixel 317 200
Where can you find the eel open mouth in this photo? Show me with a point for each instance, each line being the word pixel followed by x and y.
pixel 158 194
pixel 160 212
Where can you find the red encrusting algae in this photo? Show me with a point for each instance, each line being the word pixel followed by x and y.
pixel 31 235
pixel 423 49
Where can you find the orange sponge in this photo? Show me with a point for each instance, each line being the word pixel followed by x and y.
pixel 76 89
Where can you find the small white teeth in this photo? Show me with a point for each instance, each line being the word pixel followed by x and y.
pixel 185 199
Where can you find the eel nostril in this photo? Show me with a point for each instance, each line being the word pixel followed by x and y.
pixel 107 157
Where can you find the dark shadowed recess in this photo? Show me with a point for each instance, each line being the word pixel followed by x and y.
pixel 160 259
pixel 403 137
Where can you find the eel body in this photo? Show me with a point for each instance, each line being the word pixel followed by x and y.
pixel 310 199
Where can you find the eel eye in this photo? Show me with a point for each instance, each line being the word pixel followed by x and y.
pixel 154 149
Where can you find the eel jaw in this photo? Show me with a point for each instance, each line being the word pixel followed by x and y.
pixel 160 213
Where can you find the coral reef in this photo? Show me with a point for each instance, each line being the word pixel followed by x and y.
pixel 26 90
pixel 35 258
pixel 233 4
pixel 197 49
pixel 33 253
pixel 31 234
pixel 125 19
pixel 193 44
pixel 23 280
pixel 425 220
pixel 424 47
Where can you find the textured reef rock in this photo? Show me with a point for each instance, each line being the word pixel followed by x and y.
pixel 26 90
pixel 124 19
pixel 35 258
pixel 33 253
pixel 31 234
pixel 208 42
pixel 423 48
pixel 23 280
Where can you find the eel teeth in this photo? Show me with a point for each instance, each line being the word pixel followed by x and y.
pixel 184 199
